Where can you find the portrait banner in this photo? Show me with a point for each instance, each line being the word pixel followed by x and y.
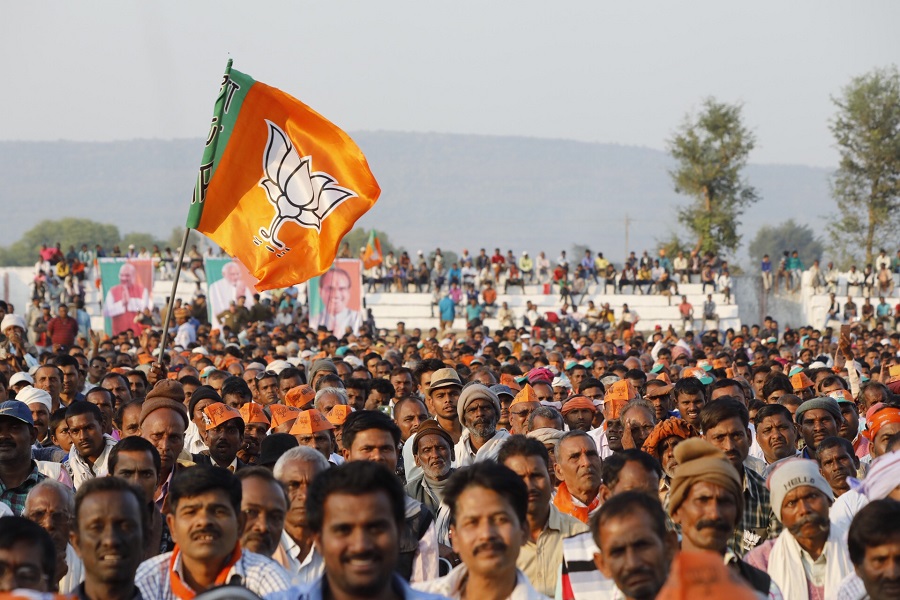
pixel 127 285
pixel 227 280
pixel 336 298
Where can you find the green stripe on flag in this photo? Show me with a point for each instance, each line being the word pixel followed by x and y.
pixel 235 86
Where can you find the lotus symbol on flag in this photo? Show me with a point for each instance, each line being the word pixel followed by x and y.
pixel 298 194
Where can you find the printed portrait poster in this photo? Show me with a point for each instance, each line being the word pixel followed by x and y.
pixel 227 280
pixel 128 290
pixel 335 298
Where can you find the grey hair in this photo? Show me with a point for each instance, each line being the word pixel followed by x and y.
pixel 64 491
pixel 638 403
pixel 300 454
pixel 547 412
pixel 341 393
pixel 568 435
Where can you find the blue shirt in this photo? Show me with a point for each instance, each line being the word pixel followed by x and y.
pixel 447 308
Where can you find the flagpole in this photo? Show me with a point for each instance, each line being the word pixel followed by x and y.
pixel 196 202
pixel 165 334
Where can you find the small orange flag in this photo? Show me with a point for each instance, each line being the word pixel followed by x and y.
pixel 279 185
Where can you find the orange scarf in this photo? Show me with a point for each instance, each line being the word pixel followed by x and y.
pixel 566 504
pixel 181 589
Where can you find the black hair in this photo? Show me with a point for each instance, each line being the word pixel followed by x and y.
pixel 429 365
pixel 64 360
pixel 775 382
pixel 355 478
pixel 492 476
pixel 519 445
pixel 200 479
pixel 114 484
pixel 722 409
pixel 84 408
pixel 382 386
pixel 57 417
pixel 264 474
pixel 637 375
pixel 134 443
pixel 120 412
pixel 237 386
pixel 876 524
pixel 689 386
pixel 202 393
pixel 723 383
pixel 16 530
pixel 833 442
pixel 329 380
pixel 289 373
pixel 612 466
pixel 140 374
pixel 112 375
pixel 626 504
pixel 590 382
pixel 190 380
pixel 362 420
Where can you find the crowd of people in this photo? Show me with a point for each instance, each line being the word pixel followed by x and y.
pixel 279 461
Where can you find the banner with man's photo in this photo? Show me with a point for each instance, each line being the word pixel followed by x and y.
pixel 336 298
pixel 227 280
pixel 127 285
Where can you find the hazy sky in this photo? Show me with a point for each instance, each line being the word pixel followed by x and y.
pixel 623 72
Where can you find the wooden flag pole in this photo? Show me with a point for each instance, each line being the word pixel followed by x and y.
pixel 168 317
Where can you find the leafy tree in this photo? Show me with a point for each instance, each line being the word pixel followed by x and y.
pixel 711 149
pixel 866 185
pixel 790 236
pixel 140 240
pixel 67 232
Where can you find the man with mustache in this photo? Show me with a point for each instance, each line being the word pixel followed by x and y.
pixel 541 555
pixel 433 451
pixel 264 504
pixel 205 519
pixel 690 396
pixel 578 466
pixel 296 469
pixel 356 513
pixel 818 419
pixel 225 437
pixel 726 425
pixel 776 433
pixel 478 410
pixel 837 463
pixel 19 473
pixel 256 426
pixel 706 500
pixel 874 546
pixel 489 524
pixel 809 559
pixel 163 423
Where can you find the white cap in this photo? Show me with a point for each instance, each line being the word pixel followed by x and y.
pixel 19 377
pixel 277 366
pixel 12 320
pixel 32 395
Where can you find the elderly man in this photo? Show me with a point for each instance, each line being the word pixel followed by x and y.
pixel 329 397
pixel 313 430
pixel 524 403
pixel 478 410
pixel 638 420
pixel 433 451
pixel 489 509
pixel 661 443
pixel 296 553
pixel 578 467
pixel 163 422
pixel 541 555
pixel 264 504
pixel 225 437
pixel 809 559
pixel 91 446
pixel 817 419
pixel 17 350
pixel 52 506
pixel 40 404
pixel 706 500
pixel 205 520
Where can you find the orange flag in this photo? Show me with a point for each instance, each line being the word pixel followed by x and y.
pixel 279 185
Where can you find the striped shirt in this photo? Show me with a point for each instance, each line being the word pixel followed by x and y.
pixel 257 573
pixel 758 523
pixel 14 498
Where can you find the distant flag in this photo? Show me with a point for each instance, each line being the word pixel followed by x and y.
pixel 279 185
pixel 372 256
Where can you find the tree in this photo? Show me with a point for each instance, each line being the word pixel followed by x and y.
pixel 67 232
pixel 866 185
pixel 358 238
pixel 774 240
pixel 711 149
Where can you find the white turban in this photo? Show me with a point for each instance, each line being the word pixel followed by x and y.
pixel 12 320
pixel 792 474
pixel 882 478
pixel 32 395
pixel 546 435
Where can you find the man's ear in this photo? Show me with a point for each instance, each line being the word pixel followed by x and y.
pixel 345 453
pixel 558 471
pixel 604 493
pixel 601 565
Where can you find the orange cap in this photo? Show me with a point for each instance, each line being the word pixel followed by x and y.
pixel 281 414
pixel 217 413
pixel 510 382
pixel 300 396
pixel 145 358
pixel 661 376
pixel 894 371
pixel 702 575
pixel 526 394
pixel 620 390
pixel 719 363
pixel 309 422
pixel 339 414
pixel 253 413
pixel 800 381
